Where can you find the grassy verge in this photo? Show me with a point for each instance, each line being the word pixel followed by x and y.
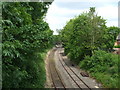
pixel 41 65
pixel 103 66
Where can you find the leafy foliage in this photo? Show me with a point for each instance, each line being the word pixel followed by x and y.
pixel 103 66
pixel 82 34
pixel 88 41
pixel 110 38
pixel 25 37
pixel 117 46
pixel 86 33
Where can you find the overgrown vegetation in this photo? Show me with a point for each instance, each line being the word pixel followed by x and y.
pixel 103 66
pixel 88 41
pixel 117 46
pixel 25 37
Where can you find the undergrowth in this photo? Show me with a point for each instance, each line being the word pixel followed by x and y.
pixel 103 66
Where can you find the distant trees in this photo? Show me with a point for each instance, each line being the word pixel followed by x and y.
pixel 109 38
pixel 56 39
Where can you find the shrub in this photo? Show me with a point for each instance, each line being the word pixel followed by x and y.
pixel 117 46
pixel 102 65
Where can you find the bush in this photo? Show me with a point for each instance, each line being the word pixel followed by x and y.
pixel 102 65
pixel 117 46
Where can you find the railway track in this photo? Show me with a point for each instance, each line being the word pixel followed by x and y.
pixel 79 82
pixel 57 77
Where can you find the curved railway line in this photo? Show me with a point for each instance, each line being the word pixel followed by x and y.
pixel 83 85
pixel 56 76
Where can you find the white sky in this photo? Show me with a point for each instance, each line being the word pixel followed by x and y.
pixel 61 11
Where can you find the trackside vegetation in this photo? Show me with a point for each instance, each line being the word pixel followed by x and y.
pixel 103 66
pixel 26 37
pixel 89 43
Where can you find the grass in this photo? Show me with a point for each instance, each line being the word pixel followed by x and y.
pixel 42 74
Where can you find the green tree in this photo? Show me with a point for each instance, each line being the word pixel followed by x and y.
pixel 109 38
pixel 82 35
pixel 24 39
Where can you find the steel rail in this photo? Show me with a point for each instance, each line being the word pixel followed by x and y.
pixel 74 72
pixel 52 76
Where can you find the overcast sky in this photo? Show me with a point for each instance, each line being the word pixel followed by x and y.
pixel 61 11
